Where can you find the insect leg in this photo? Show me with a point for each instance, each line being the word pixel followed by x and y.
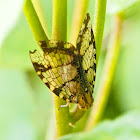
pixel 67 104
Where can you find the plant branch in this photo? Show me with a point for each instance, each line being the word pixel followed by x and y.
pixel 99 25
pixel 34 22
pixel 59 20
pixel 59 32
pixel 40 14
pixel 107 77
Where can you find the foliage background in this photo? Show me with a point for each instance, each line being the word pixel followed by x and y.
pixel 26 106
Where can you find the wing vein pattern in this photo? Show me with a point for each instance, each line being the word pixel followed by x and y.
pixel 69 71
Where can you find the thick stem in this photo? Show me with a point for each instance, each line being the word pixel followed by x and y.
pixel 59 20
pixel 34 22
pixel 40 14
pixel 107 77
pixel 99 25
pixel 76 113
pixel 59 32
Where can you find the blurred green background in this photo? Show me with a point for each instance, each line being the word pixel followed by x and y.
pixel 26 105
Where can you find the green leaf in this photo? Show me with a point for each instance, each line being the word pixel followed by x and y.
pixel 117 6
pixel 16 46
pixel 126 127
pixel 16 106
pixel 25 106
pixel 126 85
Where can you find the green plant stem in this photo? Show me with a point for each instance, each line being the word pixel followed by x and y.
pixel 99 25
pixel 107 77
pixel 59 20
pixel 40 14
pixel 34 22
pixel 78 17
pixel 76 113
pixel 59 32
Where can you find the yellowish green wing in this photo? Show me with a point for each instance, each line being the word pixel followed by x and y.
pixel 87 54
pixel 57 68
